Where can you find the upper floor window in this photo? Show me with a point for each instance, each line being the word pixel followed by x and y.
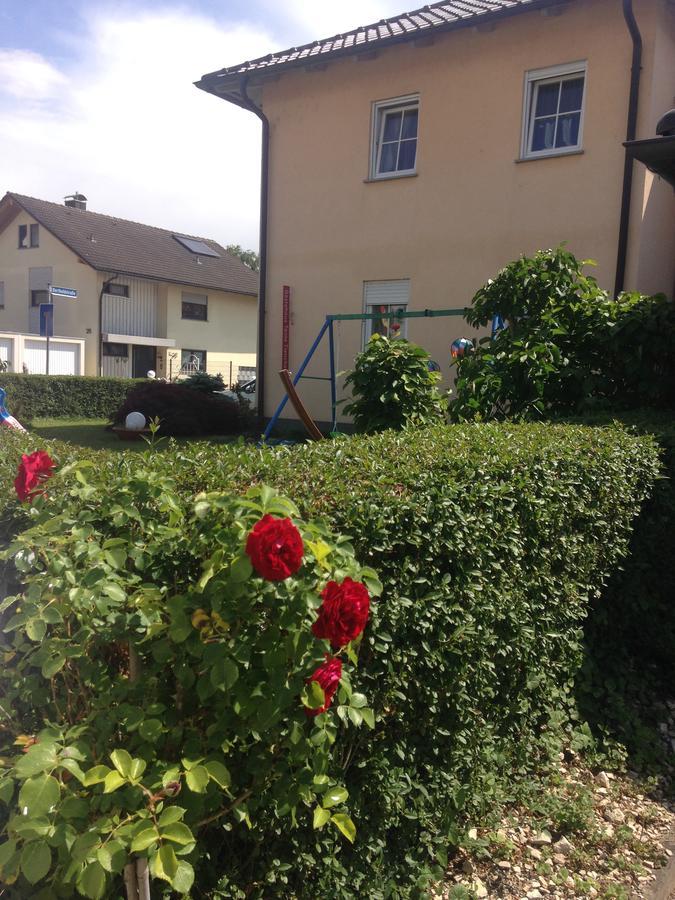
pixel 394 142
pixel 29 236
pixel 116 289
pixel 194 306
pixel 554 110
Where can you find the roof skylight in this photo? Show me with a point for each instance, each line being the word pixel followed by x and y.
pixel 200 248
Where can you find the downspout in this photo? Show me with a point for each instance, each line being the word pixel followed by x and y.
pixel 262 275
pixel 631 129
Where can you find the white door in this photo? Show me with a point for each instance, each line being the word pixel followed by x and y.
pixel 64 359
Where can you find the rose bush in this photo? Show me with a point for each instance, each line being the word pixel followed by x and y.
pixel 34 469
pixel 343 613
pixel 162 683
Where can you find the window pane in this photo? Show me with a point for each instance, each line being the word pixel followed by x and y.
pixel 392 126
pixel 571 95
pixel 409 124
pixel 547 99
pixel 194 311
pixel 34 235
pixel 406 155
pixel 568 130
pixel 543 134
pixel 388 158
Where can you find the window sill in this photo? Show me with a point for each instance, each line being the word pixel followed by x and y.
pixel 524 159
pixel 393 177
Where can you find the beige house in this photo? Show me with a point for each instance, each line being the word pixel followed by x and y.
pixel 147 298
pixel 405 162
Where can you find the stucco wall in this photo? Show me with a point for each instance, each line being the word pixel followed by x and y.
pixel 470 209
pixel 72 318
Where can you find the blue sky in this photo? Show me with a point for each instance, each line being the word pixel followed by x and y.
pixel 98 97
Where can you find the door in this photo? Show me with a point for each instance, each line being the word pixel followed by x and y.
pixel 143 360
pixel 64 359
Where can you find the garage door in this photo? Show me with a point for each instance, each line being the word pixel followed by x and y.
pixel 64 359
pixel 6 350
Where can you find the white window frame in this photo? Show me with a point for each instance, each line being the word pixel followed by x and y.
pixel 201 300
pixel 536 77
pixel 368 308
pixel 380 109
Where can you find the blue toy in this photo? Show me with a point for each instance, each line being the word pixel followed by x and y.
pixel 460 347
pixel 5 418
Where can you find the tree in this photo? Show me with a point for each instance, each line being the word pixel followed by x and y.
pixel 250 258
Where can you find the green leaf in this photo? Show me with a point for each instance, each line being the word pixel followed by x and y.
pixel 355 715
pixel 36 860
pixel 112 856
pixel 218 773
pixel 41 757
pixel 197 779
pixel 38 795
pixel 73 767
pixel 170 814
pixel 91 882
pixel 368 717
pixel 7 851
pixel 6 790
pixel 150 729
pixel 334 796
pixel 178 833
pixel 122 762
pixel 112 781
pixel 230 672
pixel 321 816
pixel 315 695
pixel 144 838
pixel 114 591
pixel 96 775
pixel 137 768
pixel 53 665
pixel 358 701
pixel 164 863
pixel 36 629
pixel 184 878
pixel 241 569
pixel 344 824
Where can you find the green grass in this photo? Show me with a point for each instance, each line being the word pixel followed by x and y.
pixel 92 433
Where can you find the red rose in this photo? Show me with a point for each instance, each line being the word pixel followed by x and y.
pixel 33 470
pixel 328 677
pixel 275 548
pixel 343 613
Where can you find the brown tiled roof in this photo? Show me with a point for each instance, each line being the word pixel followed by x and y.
pixel 443 16
pixel 109 244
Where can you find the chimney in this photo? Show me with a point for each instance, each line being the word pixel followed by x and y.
pixel 76 201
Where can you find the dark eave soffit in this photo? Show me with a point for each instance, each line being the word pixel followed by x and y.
pixel 658 154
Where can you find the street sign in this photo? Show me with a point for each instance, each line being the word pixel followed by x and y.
pixel 46 320
pixel 63 292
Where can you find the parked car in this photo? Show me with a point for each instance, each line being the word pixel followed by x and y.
pixel 246 392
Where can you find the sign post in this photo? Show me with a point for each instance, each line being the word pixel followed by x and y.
pixel 47 315
pixel 285 328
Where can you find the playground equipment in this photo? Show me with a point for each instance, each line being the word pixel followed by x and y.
pixel 460 347
pixel 5 417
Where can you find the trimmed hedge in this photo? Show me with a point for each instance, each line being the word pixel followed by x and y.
pixel 65 396
pixel 490 541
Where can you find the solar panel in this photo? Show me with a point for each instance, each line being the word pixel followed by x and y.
pixel 199 247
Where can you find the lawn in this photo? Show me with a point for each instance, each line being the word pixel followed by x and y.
pixel 92 433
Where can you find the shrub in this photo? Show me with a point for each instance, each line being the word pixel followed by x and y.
pixel 393 386
pixel 202 381
pixel 165 680
pixel 568 346
pixel 182 411
pixel 64 396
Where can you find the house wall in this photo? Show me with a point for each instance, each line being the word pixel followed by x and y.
pixel 228 335
pixel 473 206
pixel 20 271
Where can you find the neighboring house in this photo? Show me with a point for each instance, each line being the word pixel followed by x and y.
pixel 405 162
pixel 147 298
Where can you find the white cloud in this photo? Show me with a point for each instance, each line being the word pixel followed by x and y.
pixel 123 123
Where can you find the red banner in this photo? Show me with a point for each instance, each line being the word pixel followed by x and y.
pixel 285 329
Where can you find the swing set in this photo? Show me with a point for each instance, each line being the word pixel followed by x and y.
pixel 328 328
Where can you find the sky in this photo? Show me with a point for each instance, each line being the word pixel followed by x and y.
pixel 98 97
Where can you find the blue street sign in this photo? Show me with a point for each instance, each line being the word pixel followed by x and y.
pixel 47 320
pixel 63 292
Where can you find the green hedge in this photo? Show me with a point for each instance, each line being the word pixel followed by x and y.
pixel 64 396
pixel 490 541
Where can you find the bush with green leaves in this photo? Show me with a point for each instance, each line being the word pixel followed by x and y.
pixel 568 346
pixel 202 381
pixel 156 688
pixel 492 542
pixel 392 386
pixel 65 396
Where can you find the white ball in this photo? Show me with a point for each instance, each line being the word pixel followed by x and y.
pixel 135 421
pixel 152 373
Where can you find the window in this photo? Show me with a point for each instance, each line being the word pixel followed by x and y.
pixel 29 236
pixel 194 306
pixel 118 350
pixel 384 299
pixel 116 289
pixel 200 248
pixel 38 297
pixel 394 143
pixel 554 110
pixel 193 361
